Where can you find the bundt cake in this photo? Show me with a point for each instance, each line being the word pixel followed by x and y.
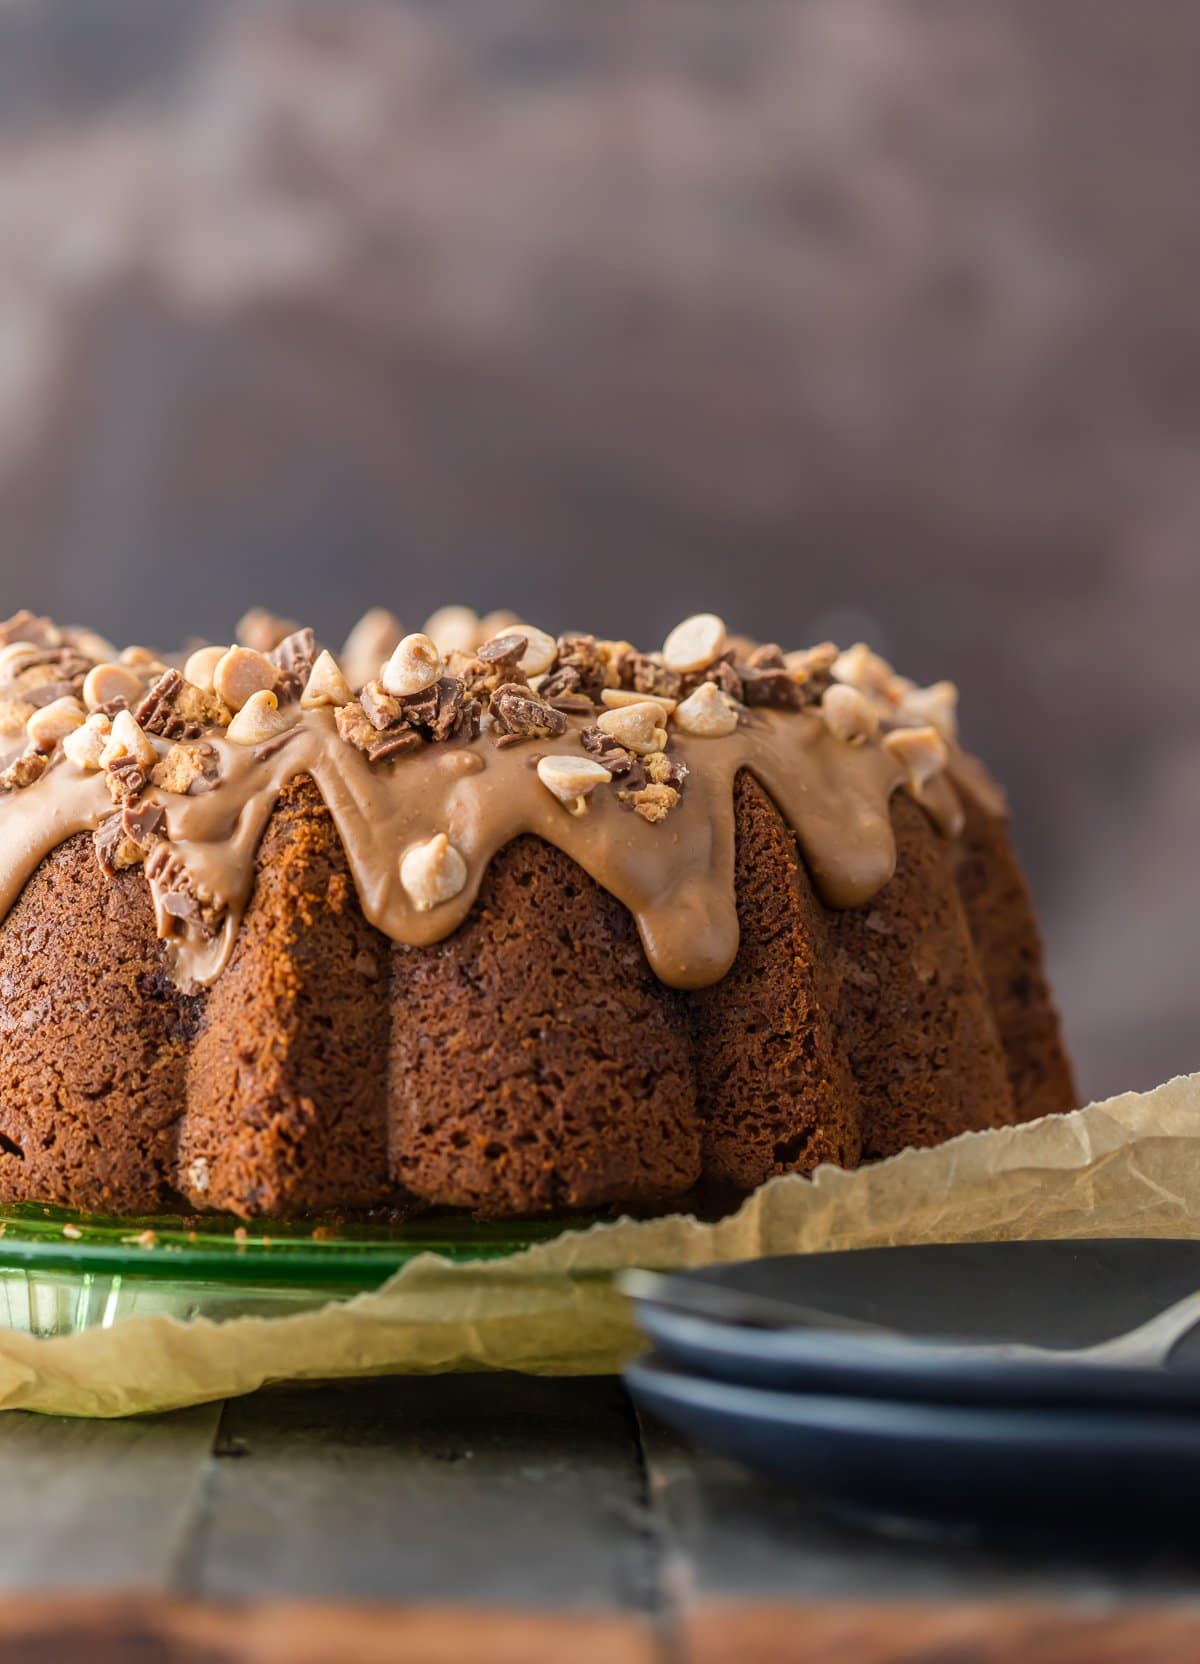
pixel 481 919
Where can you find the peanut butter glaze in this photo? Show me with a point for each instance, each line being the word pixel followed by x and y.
pixel 676 878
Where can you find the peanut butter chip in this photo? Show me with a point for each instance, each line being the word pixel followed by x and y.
pixel 240 674
pixel 201 667
pixel 414 666
pixel 85 746
pixel 432 872
pixel 637 727
pixel 921 752
pixel 614 699
pixel 570 779
pixel 933 707
pixel 127 740
pixel 849 715
pixel 54 722
pixel 860 668
pixel 260 719
pixel 708 713
pixel 540 652
pixel 454 629
pixel 326 685
pixel 108 682
pixel 694 644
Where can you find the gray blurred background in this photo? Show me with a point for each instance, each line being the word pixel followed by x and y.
pixel 838 317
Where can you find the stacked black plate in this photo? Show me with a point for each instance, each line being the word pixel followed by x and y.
pixel 774 1362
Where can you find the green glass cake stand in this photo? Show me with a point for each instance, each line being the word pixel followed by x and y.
pixel 61 1271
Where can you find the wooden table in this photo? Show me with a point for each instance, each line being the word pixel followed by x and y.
pixel 511 1519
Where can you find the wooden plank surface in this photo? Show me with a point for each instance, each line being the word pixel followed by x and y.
pixel 100 1504
pixel 478 1489
pixel 729 1536
pixel 405 1515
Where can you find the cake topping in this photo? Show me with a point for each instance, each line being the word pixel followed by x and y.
pixel 639 728
pixel 694 644
pixel 127 739
pixel 293 659
pixel 454 629
pixel 263 630
pixel 849 715
pixel 26 770
pixel 432 872
pixel 435 749
pixel 369 644
pixel 126 838
pixel 615 699
pixel 54 722
pixel 326 685
pixel 111 685
pixel 540 652
pixel 922 753
pixel 85 747
pixel 260 719
pixel 189 768
pixel 240 674
pixel 415 665
pixel 707 713
pixel 518 714
pixel 571 779
pixel 936 705
pixel 175 709
pixel 201 667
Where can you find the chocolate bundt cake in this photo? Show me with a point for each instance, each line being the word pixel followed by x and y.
pixel 482 919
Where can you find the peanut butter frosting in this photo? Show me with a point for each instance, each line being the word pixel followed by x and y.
pixel 434 750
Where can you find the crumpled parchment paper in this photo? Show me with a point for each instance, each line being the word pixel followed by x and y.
pixel 1126 1167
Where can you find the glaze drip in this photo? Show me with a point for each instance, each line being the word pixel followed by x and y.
pixel 406 770
pixel 676 878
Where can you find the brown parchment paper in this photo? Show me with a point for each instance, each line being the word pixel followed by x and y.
pixel 1126 1167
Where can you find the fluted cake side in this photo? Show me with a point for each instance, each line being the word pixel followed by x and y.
pixel 245 1011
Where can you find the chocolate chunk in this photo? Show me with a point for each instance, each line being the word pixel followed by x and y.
pixel 294 658
pixel 45 674
pixel 451 696
pixel 420 710
pixel 176 709
pixel 126 838
pixel 767 657
pixel 581 654
pixel 177 896
pixel 519 714
pixel 570 704
pixel 607 751
pixel 563 683
pixel 503 650
pixel 397 742
pixel 723 672
pixel 126 779
pixel 773 687
pixel 381 709
pixel 642 674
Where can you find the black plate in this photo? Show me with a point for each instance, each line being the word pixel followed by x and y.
pixel 944 1299
pixel 951 1462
